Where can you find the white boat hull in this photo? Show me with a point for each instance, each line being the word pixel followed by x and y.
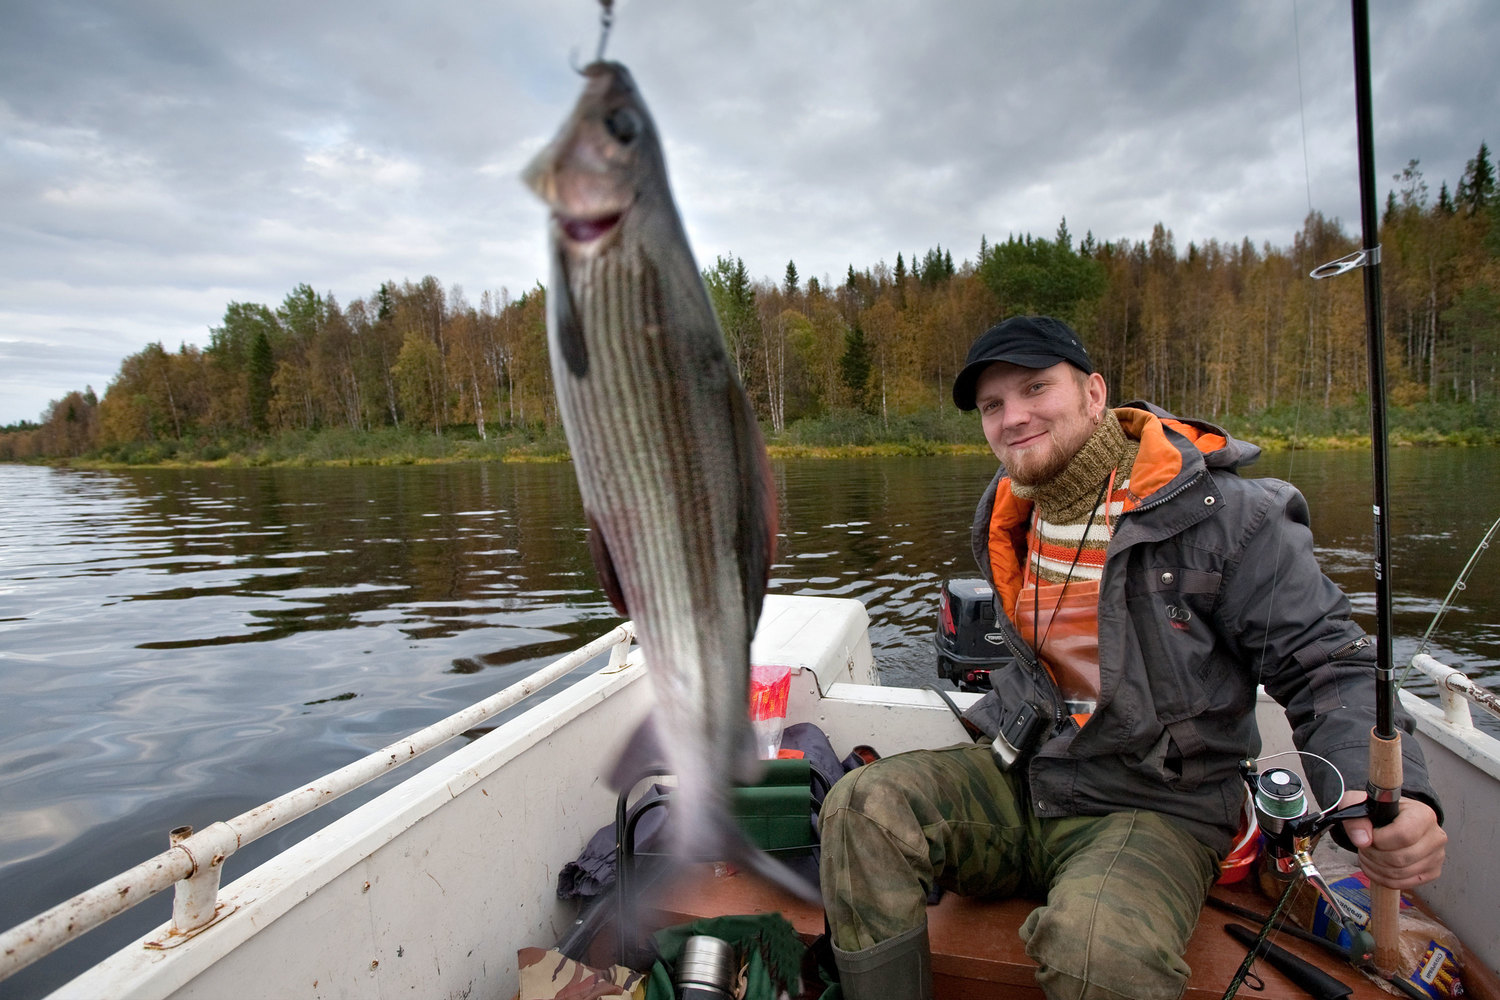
pixel 429 889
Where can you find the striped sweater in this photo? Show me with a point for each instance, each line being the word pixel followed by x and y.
pixel 1073 517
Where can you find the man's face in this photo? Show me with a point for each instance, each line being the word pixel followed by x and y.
pixel 1036 419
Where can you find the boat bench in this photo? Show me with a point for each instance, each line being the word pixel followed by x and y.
pixel 977 954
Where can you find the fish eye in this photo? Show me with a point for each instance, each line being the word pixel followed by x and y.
pixel 624 124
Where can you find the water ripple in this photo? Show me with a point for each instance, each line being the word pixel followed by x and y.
pixel 179 645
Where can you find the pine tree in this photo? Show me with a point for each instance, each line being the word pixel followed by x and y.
pixel 1445 204
pixel 854 366
pixel 1477 188
pixel 261 367
pixel 791 278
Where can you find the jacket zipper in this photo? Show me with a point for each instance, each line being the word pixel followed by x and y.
pixel 1027 657
pixel 1351 646
pixel 1157 501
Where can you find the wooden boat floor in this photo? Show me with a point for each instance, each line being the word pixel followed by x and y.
pixel 977 952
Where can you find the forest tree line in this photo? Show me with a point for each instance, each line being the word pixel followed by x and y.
pixel 1212 330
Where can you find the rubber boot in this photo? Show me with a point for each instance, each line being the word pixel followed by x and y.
pixel 898 968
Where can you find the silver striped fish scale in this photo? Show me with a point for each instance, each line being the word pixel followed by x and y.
pixel 669 459
pixel 660 486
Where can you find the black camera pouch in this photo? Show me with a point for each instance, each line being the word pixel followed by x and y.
pixel 1014 716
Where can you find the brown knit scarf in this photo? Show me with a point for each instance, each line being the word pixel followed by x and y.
pixel 1072 497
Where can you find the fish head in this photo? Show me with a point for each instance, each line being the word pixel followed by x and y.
pixel 604 158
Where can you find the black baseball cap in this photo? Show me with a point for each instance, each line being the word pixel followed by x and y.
pixel 1028 341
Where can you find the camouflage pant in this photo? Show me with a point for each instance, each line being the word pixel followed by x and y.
pixel 1122 891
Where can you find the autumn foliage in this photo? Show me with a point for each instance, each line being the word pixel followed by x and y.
pixel 1217 330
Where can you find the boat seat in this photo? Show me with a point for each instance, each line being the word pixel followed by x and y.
pixel 977 953
pixel 776 814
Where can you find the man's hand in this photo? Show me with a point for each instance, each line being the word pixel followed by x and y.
pixel 1405 853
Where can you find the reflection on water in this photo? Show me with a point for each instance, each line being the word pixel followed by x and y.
pixel 177 646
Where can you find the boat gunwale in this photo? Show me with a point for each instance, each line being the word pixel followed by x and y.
pixel 199 857
pixel 328 853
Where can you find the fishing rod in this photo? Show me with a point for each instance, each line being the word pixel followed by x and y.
pixel 1460 584
pixel 1384 785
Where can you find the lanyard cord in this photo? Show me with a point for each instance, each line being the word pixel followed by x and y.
pixel 1106 489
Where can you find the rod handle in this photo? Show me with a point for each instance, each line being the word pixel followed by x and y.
pixel 1385 902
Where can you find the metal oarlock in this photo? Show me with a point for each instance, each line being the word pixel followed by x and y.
pixel 195 902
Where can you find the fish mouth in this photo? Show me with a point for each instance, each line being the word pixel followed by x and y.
pixel 587 231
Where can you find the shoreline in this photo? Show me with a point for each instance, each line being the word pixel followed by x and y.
pixel 469 450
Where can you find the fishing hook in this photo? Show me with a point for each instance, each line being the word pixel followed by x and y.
pixel 606 20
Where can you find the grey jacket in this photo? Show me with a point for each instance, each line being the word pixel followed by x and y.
pixel 1210 587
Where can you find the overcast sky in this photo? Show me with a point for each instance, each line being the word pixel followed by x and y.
pixel 161 159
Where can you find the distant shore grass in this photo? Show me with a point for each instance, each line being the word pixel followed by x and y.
pixel 841 434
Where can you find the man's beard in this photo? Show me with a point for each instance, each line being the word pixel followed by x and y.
pixel 1034 468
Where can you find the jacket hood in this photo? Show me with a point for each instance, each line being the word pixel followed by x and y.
pixel 1219 448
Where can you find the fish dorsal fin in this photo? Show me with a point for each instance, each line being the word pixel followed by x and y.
pixel 604 565
pixel 567 328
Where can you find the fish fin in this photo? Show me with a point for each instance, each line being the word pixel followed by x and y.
pixel 759 515
pixel 749 769
pixel 715 835
pixel 642 753
pixel 740 851
pixel 567 329
pixel 604 565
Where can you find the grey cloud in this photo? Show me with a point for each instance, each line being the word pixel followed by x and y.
pixel 195 153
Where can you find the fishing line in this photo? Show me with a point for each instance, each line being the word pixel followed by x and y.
pixel 1297 406
pixel 1302 105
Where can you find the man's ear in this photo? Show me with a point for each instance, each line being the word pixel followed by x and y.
pixel 1097 392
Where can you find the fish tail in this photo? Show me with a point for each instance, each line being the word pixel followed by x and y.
pixel 714 833
pixel 745 854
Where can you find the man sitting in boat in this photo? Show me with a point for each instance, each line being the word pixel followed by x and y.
pixel 1145 589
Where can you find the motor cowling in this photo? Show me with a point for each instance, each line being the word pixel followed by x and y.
pixel 968 644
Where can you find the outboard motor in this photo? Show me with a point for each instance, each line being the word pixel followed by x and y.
pixel 968 644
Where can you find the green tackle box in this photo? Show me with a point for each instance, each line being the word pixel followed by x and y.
pixel 776 813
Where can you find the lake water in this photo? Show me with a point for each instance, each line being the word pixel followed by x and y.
pixel 177 646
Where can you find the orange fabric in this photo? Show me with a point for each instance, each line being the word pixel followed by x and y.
pixel 1007 545
pixel 1157 463
pixel 1063 619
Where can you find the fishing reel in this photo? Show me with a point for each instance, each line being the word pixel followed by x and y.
pixel 1289 830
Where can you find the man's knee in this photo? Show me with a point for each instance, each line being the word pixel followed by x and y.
pixel 868 804
pixel 874 868
pixel 1085 952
